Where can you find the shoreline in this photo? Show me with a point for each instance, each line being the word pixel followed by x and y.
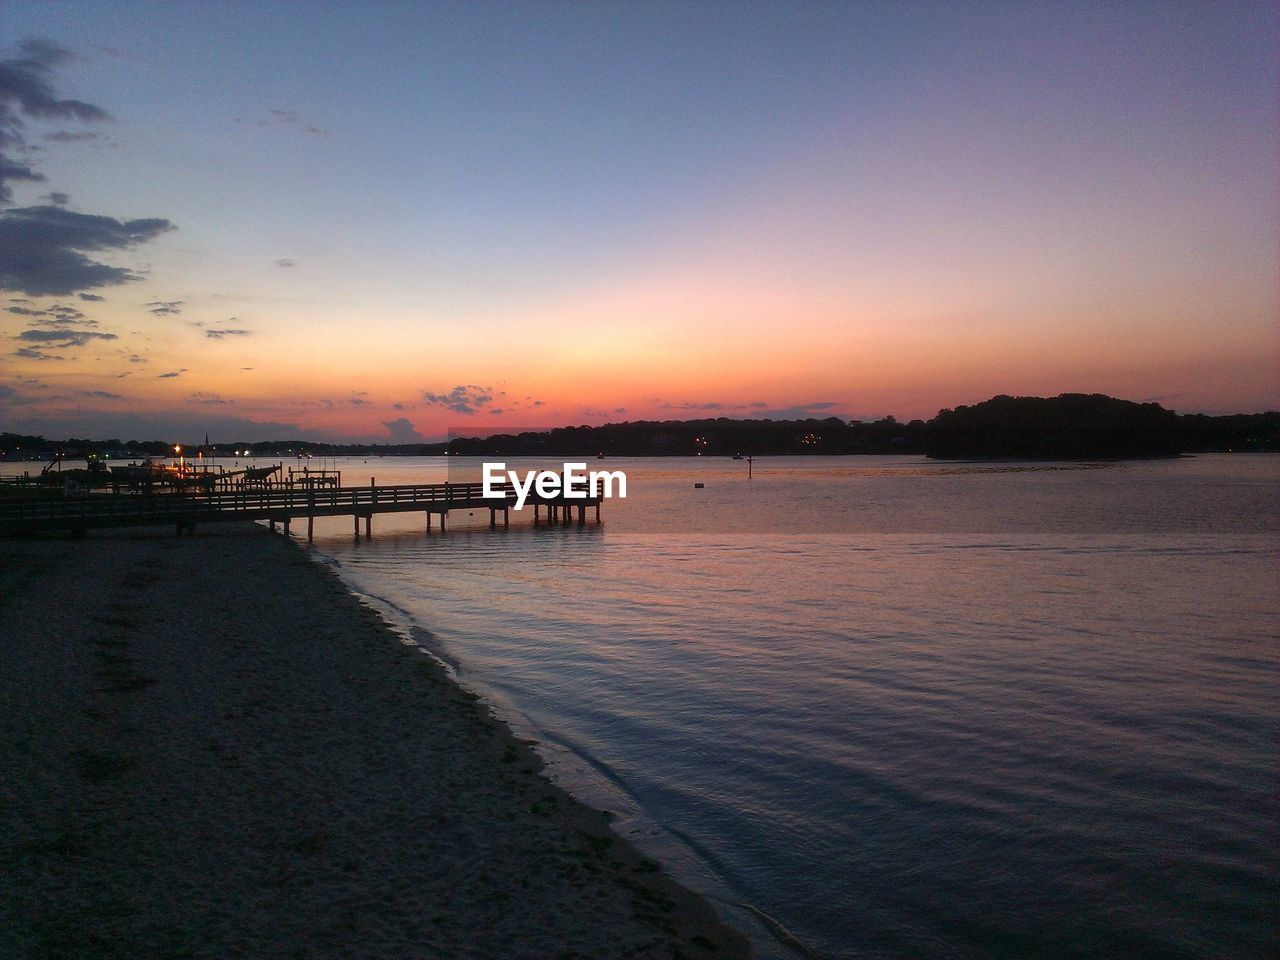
pixel 213 748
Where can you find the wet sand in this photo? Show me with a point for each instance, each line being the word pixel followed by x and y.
pixel 211 749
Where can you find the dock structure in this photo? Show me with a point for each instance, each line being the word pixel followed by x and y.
pixel 76 515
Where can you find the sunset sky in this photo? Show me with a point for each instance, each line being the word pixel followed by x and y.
pixel 383 220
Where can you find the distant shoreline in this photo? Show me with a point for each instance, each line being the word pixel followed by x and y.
pixel 1068 426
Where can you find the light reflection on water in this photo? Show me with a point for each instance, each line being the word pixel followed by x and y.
pixel 1017 733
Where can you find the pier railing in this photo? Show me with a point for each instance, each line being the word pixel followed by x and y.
pixel 277 504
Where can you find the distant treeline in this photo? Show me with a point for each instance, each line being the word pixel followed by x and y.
pixel 1077 426
pixel 1071 426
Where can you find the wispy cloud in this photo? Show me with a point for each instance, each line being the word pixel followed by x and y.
pixel 165 308
pixel 211 399
pixel 57 314
pixel 757 408
pixel 66 136
pixel 290 118
pixel 63 338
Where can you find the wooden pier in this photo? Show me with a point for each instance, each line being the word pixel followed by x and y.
pixel 282 505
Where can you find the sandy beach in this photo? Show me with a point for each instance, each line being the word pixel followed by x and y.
pixel 211 749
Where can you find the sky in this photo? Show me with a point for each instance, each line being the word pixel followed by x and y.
pixel 389 220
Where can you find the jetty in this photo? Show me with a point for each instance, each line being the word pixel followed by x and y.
pixel 77 513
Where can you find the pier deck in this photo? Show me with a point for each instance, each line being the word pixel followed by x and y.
pixel 88 511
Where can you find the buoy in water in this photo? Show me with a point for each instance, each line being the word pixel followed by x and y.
pixel 698 486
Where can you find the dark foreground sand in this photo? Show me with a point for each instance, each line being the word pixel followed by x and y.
pixel 210 749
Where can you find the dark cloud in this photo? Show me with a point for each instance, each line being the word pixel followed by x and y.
pixel 27 311
pixel 63 338
pixel 57 198
pixel 172 374
pixel 31 353
pixel 45 249
pixel 401 430
pixel 26 90
pixel 45 246
pixel 91 297
pixel 286 262
pixel 99 395
pixel 466 400
pixel 25 86
pixel 13 170
pixel 165 308
pixel 219 334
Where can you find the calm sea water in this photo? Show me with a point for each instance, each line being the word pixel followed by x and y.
pixel 888 708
